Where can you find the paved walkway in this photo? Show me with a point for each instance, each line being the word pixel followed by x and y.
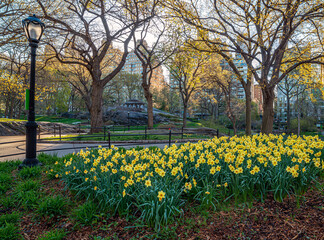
pixel 17 145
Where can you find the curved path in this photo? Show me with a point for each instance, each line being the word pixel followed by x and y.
pixel 17 146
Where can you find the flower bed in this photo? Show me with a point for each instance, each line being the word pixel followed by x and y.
pixel 155 183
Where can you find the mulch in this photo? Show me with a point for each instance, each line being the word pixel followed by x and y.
pixel 263 220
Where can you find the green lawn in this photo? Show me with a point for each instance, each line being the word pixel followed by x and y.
pixel 10 120
pixel 47 119
pixel 130 137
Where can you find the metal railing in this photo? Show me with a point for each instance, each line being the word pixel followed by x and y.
pixel 107 135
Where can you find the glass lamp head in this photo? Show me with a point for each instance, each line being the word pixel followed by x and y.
pixel 33 28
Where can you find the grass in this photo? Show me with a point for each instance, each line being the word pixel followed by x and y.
pixel 55 234
pixel 10 120
pixel 127 137
pixel 9 231
pixel 53 119
pixel 52 206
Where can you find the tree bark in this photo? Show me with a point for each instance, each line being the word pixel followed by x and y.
pixel 96 107
pixel 184 116
pixel 7 107
pixel 248 102
pixel 12 101
pixel 234 125
pixel 268 113
pixel 149 98
pixel 288 114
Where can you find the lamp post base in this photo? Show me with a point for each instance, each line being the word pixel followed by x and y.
pixel 30 162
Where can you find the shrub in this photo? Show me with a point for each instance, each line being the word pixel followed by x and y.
pixel 306 124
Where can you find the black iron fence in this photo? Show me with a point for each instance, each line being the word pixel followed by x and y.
pixel 110 135
pixel 107 133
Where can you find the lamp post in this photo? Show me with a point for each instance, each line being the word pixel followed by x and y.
pixel 33 28
pixel 128 119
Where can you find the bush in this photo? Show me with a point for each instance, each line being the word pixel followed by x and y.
pixel 306 125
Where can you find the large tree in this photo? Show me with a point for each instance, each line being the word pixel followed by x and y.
pixel 187 70
pixel 83 32
pixel 163 47
pixel 260 31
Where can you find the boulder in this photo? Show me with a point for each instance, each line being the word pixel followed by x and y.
pixel 120 117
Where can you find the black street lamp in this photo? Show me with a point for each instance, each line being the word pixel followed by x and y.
pixel 128 120
pixel 33 28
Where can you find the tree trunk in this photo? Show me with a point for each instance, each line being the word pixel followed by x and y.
pixel 268 113
pixel 19 109
pixel 96 107
pixel 248 102
pixel 288 114
pixel 217 111
pixel 12 101
pixel 184 116
pixel 234 125
pixel 7 107
pixel 149 98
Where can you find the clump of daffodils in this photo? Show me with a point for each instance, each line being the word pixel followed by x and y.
pixel 220 166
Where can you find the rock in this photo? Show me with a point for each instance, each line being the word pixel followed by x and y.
pixel 120 117
pixel 18 128
pixel 68 115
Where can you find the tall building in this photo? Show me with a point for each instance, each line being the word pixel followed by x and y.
pixel 133 65
pixel 257 97
pixel 238 90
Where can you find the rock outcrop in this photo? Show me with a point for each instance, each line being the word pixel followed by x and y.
pixel 120 117
pixel 13 128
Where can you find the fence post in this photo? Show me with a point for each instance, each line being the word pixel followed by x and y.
pixel 79 129
pixel 217 133
pixel 54 130
pixel 104 133
pixel 145 133
pixel 60 132
pixel 170 137
pixel 182 132
pixel 109 139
